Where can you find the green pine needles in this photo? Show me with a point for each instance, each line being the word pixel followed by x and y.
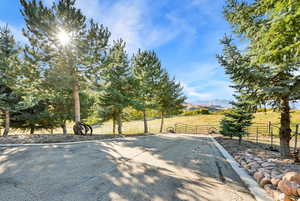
pixel 267 71
pixel 238 119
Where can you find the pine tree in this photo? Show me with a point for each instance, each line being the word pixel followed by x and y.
pixel 263 84
pixel 9 68
pixel 147 74
pixel 117 78
pixel 107 113
pixel 33 118
pixel 169 97
pixel 237 119
pixel 62 41
pixel 61 110
pixel 272 28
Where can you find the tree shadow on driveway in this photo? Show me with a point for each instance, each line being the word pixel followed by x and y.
pixel 143 168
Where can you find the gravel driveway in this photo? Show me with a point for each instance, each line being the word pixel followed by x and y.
pixel 157 168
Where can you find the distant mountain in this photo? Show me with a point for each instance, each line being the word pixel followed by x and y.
pixel 219 102
pixel 210 106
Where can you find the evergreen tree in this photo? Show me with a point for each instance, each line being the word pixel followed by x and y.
pixel 272 26
pixel 50 113
pixel 263 84
pixel 237 119
pixel 9 68
pixel 62 41
pixel 106 114
pixel 147 75
pixel 269 67
pixel 169 97
pixel 61 109
pixel 33 118
pixel 117 77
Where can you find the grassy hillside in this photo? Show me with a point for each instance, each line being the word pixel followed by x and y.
pixel 154 125
pixel 212 119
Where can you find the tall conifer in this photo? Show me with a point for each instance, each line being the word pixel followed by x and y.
pixel 61 39
pixel 9 69
pixel 147 73
pixel 117 84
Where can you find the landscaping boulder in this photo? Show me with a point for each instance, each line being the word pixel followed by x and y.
pixel 258 176
pixel 284 197
pixel 267 164
pixel 292 176
pixel 254 165
pixel 275 195
pixel 275 181
pixel 276 173
pixel 288 187
pixel 265 181
pixel 269 188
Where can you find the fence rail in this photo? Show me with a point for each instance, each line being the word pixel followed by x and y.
pixel 268 133
pixel 196 129
pixel 265 133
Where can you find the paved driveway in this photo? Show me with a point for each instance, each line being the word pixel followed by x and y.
pixel 156 168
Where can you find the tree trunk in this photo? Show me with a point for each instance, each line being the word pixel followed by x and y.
pixel 114 125
pixel 31 130
pixel 285 130
pixel 162 122
pixel 7 122
pixel 240 139
pixel 119 124
pixel 51 131
pixel 145 122
pixel 64 128
pixel 76 103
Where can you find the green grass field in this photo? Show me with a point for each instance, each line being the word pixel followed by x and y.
pixel 135 127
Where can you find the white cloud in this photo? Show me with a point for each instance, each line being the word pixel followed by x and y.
pixel 194 93
pixel 134 22
pixel 202 82
pixel 213 89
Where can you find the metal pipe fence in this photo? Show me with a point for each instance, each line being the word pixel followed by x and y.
pixel 260 133
pixel 196 129
pixel 268 134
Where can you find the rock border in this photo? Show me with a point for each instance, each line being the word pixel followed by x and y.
pixel 259 193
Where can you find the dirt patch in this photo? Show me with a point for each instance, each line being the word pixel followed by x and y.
pixel 57 138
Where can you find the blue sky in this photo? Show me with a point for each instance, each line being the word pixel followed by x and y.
pixel 184 33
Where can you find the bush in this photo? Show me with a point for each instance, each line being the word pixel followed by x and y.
pixel 196 112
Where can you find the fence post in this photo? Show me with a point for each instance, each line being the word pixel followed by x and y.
pixel 271 137
pixel 256 135
pixel 296 137
pixel 248 132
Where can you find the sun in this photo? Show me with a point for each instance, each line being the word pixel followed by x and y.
pixel 63 37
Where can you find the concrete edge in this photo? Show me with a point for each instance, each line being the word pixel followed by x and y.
pixel 70 143
pixel 259 193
